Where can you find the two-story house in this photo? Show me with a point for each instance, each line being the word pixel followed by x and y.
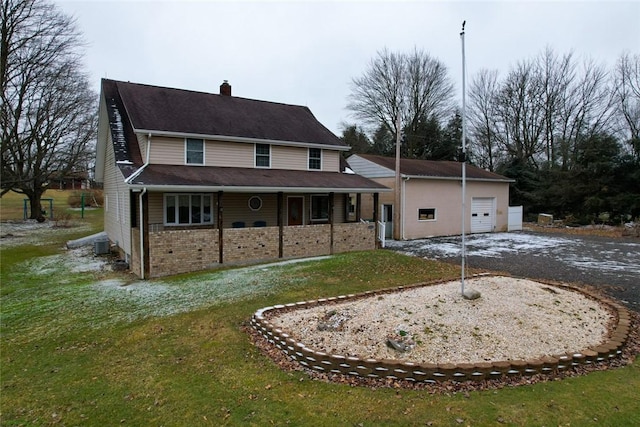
pixel 192 180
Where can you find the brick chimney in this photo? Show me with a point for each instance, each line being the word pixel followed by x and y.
pixel 225 88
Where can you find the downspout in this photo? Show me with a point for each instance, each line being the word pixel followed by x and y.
pixel 141 213
pixel 404 181
pixel 142 266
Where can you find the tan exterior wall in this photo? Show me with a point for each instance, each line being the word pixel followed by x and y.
pixel 236 208
pixel 445 197
pixel 182 251
pixel 117 217
pixel 250 244
pixel 171 151
pixel 330 161
pixel 289 158
pixel 232 154
pixel 166 151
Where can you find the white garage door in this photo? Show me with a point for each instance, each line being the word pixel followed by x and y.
pixel 482 214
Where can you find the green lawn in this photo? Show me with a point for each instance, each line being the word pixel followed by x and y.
pixel 79 349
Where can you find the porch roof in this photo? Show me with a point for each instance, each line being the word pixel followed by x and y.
pixel 208 178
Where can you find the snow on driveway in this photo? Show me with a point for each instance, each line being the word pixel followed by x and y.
pixel 611 263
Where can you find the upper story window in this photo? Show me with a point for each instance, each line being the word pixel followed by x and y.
pixel 263 155
pixel 315 158
pixel 194 151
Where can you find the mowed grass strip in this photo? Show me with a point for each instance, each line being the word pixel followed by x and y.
pixel 172 352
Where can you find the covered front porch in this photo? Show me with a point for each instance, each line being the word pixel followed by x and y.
pixel 212 229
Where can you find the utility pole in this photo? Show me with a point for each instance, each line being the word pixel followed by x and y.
pixel 397 201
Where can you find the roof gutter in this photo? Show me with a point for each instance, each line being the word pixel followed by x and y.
pixel 449 178
pixel 227 138
pixel 214 188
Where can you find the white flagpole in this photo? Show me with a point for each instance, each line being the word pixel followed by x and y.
pixel 463 158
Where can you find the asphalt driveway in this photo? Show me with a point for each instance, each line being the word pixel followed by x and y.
pixel 610 264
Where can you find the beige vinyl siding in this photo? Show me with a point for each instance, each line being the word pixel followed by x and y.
pixel 339 208
pixel 294 158
pixel 142 143
pixel 330 161
pixel 117 218
pixel 156 208
pixel 170 151
pixel 167 151
pixel 236 208
pixel 233 154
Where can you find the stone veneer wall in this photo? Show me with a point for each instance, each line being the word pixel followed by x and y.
pixel 187 250
pixel 431 372
pixel 353 237
pixel 242 244
pixel 182 251
pixel 134 262
pixel 306 241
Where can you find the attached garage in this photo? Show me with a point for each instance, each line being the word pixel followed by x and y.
pixel 431 196
pixel 483 217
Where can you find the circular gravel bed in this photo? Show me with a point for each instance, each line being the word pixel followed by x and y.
pixel 515 319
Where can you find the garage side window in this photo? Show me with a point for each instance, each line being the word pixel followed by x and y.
pixel 427 214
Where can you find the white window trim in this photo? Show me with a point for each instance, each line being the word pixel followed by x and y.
pixel 255 156
pixel 204 156
pixel 190 224
pixel 309 159
pixel 435 215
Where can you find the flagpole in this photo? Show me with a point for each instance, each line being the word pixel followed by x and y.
pixel 463 159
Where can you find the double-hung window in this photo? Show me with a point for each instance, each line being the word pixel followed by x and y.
pixel 263 155
pixel 315 158
pixel 194 151
pixel 187 209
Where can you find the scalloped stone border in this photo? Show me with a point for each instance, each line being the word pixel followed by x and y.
pixel 431 373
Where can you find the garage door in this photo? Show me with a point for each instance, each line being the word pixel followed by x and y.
pixel 482 214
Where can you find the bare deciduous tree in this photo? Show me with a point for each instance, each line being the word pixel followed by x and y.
pixel 415 85
pixel 627 92
pixel 540 111
pixel 48 112
pixel 482 101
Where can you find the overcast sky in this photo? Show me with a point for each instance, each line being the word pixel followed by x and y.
pixel 307 52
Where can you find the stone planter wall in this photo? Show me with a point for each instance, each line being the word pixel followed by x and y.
pixel 426 372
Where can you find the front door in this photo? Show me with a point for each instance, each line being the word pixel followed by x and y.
pixel 295 210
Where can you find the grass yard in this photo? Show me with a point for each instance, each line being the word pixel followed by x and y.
pixel 77 348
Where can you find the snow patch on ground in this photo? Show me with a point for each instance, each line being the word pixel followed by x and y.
pixel 488 245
